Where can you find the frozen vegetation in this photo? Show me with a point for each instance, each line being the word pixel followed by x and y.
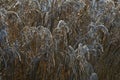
pixel 59 39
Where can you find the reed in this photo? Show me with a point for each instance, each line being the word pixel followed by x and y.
pixel 59 40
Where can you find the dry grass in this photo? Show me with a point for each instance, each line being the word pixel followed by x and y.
pixel 69 40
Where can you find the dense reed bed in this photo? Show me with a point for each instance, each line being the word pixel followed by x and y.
pixel 59 39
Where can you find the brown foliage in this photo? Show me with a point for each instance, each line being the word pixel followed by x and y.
pixel 69 40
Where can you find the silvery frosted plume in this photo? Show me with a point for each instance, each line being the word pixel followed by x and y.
pixel 93 76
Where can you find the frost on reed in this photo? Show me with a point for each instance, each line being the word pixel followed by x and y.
pixel 59 39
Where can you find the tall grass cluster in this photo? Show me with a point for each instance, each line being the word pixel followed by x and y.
pixel 59 39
